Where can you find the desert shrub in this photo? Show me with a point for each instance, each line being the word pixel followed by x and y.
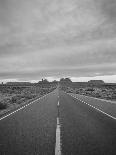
pixel 90 89
pixel 28 96
pixel 21 98
pixel 69 91
pixel 113 96
pixel 3 105
pixel 14 99
pixel 97 95
pixel 21 101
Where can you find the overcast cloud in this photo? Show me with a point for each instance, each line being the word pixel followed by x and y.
pixel 55 38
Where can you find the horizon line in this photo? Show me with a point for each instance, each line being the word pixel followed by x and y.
pixel 105 78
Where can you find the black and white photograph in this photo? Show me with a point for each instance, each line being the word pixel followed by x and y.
pixel 57 77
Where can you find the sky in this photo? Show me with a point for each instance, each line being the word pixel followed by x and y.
pixel 57 38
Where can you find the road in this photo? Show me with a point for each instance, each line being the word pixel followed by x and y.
pixel 83 129
pixel 106 106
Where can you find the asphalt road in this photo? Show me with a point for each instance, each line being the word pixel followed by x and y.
pixel 84 130
pixel 107 106
pixel 32 130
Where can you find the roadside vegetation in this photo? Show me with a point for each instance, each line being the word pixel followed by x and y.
pixel 103 91
pixel 13 96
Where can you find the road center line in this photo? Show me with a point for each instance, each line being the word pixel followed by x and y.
pixel 58 141
pixel 96 108
pixel 58 103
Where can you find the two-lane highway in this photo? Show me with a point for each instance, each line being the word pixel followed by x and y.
pixel 58 124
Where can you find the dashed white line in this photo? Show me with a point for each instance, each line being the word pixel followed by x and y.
pixel 22 107
pixel 58 142
pixel 58 104
pixel 96 108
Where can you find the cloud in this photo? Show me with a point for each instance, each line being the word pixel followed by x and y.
pixel 108 8
pixel 48 21
pixel 106 78
pixel 54 38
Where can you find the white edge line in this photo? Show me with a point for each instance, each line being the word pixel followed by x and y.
pixel 95 108
pixel 99 99
pixel 23 107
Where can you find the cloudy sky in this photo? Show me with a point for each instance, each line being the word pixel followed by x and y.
pixel 57 38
